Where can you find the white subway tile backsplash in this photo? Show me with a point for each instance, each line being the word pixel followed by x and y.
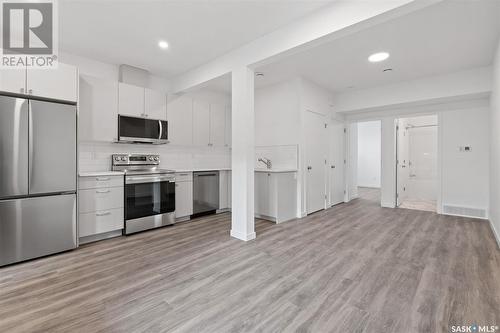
pixel 97 156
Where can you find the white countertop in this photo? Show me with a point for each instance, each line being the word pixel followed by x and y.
pixel 276 170
pixel 120 173
pixel 101 173
pixel 229 169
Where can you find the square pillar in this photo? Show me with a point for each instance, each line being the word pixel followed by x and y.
pixel 243 154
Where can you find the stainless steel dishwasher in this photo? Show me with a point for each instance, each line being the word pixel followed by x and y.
pixel 205 192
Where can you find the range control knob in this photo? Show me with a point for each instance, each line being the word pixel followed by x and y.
pixel 151 158
pixel 117 158
pixel 157 158
pixel 124 158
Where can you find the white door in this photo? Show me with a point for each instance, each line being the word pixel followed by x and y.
pixel 180 120
pixel 316 152
pixel 130 100
pixel 402 163
pixel 155 104
pixel 217 124
pixel 58 83
pixel 201 123
pixel 336 167
pixel 13 80
pixel 97 119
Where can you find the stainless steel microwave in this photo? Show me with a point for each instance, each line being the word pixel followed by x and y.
pixel 142 130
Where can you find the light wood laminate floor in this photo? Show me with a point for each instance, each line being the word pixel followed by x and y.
pixel 353 268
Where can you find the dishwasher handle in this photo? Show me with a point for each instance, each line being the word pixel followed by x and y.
pixel 205 175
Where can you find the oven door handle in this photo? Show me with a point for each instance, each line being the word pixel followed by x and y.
pixel 148 179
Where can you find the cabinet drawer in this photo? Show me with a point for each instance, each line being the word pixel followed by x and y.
pixel 92 200
pixel 98 222
pixel 85 183
pixel 184 177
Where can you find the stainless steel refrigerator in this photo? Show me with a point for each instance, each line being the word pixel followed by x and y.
pixel 38 165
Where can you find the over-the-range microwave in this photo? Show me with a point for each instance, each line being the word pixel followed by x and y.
pixel 142 130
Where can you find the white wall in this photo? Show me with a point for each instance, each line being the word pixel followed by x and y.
pixel 369 154
pixel 465 175
pixel 495 149
pixel 277 117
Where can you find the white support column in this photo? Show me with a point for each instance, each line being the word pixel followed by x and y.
pixel 243 154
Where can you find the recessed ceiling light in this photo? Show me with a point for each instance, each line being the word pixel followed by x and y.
pixel 380 56
pixel 163 45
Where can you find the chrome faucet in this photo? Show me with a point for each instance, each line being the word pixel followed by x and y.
pixel 266 161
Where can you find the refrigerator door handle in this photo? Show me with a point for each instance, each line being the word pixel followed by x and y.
pixel 30 144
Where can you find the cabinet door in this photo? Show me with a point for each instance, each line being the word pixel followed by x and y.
pixel 223 189
pixel 183 199
pixel 58 83
pixel 130 100
pixel 217 124
pixel 13 80
pixel 98 120
pixel 228 136
pixel 180 121
pixel 201 123
pixel 155 104
pixel 261 194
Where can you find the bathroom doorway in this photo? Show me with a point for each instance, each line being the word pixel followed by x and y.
pixel 417 162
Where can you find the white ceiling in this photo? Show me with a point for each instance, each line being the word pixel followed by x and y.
pixel 447 37
pixel 127 32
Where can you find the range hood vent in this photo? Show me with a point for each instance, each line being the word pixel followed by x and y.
pixel 133 75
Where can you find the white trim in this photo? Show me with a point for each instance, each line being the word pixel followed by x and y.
pixel 242 236
pixel 495 233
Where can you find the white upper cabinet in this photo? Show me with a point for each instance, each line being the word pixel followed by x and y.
pixel 201 123
pixel 57 83
pixel 13 81
pixel 130 100
pixel 98 110
pixel 155 104
pixel 180 120
pixel 217 124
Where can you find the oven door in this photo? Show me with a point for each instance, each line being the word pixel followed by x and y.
pixel 149 195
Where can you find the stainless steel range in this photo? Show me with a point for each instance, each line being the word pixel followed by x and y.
pixel 149 192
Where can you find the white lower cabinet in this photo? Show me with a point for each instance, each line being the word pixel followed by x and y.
pixel 100 206
pixel 275 196
pixel 100 222
pixel 183 194
pixel 224 189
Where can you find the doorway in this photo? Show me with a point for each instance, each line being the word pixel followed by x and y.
pixel 369 160
pixel 416 162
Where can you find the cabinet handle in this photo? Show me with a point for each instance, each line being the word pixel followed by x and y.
pixel 22 90
pixel 184 174
pixel 30 91
pixel 103 214
pixel 102 192
pixel 102 179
